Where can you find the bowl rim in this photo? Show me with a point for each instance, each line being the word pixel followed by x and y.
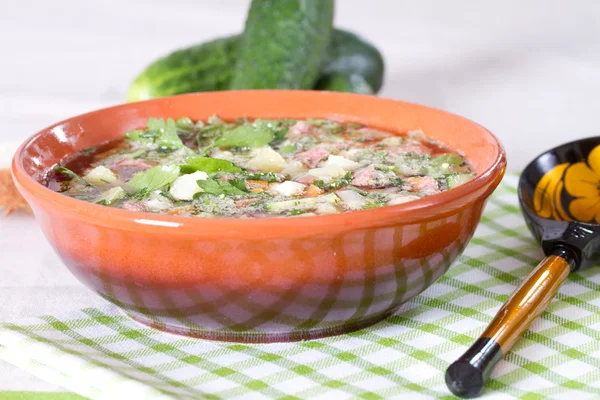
pixel 416 210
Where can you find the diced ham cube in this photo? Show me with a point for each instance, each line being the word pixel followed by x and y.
pixel 139 164
pixel 300 128
pixel 312 157
pixel 133 206
pixel 367 177
pixel 244 202
pixel 307 179
pixel 425 184
pixel 128 167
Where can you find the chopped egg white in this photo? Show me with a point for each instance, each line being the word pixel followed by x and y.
pixel 331 171
pixel 351 199
pixel 392 141
pixel 222 154
pixel 326 208
pixel 342 162
pixel 266 159
pixel 101 175
pixel 185 187
pixel 157 201
pixel 287 188
pixel 295 169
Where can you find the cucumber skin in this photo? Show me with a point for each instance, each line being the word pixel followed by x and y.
pixel 202 68
pixel 350 54
pixel 352 83
pixel 458 179
pixel 284 44
pixel 209 67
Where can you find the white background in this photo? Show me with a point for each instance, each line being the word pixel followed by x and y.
pixel 528 70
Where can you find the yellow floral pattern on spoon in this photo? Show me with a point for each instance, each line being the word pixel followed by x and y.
pixel 581 181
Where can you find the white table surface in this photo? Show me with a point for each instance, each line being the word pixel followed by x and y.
pixel 527 70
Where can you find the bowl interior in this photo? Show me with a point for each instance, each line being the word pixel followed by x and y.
pixel 65 138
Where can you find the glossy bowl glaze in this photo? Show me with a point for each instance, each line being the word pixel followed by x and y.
pixel 260 280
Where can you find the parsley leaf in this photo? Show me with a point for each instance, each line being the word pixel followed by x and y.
pixel 257 134
pixel 154 178
pixel 217 187
pixel 209 165
pixel 159 131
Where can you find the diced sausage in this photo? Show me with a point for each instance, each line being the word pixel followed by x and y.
pixel 300 128
pixel 307 179
pixel 243 203
pixel 128 167
pixel 133 206
pixel 425 184
pixel 138 164
pixel 368 177
pixel 312 157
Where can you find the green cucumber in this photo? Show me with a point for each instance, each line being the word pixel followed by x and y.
pixel 458 179
pixel 349 54
pixel 284 44
pixel 209 67
pixel 444 164
pixel 111 196
pixel 203 68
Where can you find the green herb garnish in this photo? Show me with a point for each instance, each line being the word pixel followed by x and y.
pixel 265 176
pixel 397 181
pixel 209 165
pixel 218 187
pixel 162 133
pixel 185 124
pixel 290 148
pixel 154 178
pixel 63 173
pixel 257 134
pixel 296 212
pixel 334 184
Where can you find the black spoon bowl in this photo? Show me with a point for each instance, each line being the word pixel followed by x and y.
pixel 559 195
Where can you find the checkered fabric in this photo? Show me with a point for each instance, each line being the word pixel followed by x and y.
pixel 102 354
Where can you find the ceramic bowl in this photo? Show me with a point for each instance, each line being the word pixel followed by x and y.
pixel 260 280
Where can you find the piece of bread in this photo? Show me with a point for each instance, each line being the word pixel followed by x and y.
pixel 10 198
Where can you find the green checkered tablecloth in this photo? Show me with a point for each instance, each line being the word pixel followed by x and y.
pixel 102 354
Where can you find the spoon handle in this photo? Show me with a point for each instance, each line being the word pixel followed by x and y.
pixel 467 375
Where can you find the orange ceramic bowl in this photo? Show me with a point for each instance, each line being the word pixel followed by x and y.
pixel 259 280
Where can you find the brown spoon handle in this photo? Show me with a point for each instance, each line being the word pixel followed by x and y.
pixel 467 375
